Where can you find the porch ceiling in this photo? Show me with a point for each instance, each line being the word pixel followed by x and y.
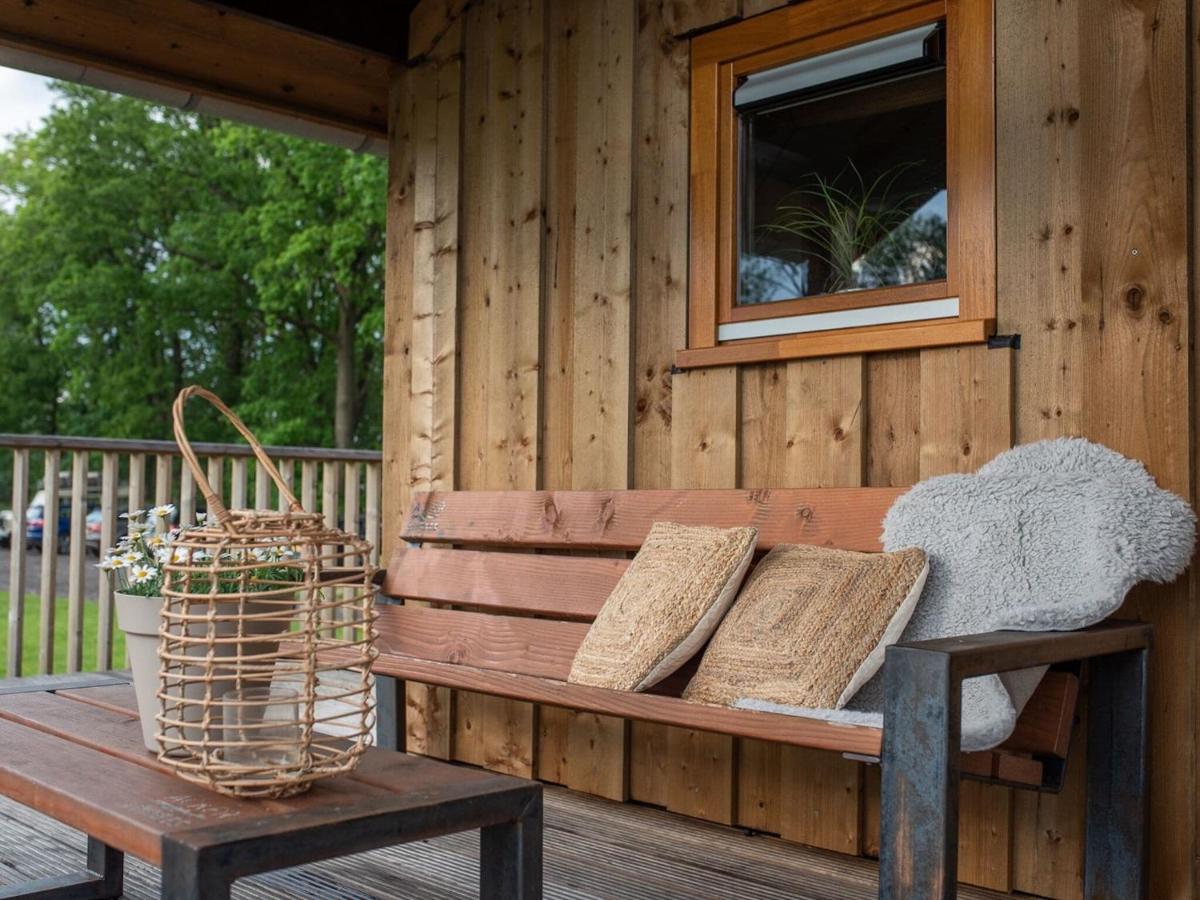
pixel 312 61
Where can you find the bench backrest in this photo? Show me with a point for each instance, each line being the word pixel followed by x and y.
pixel 527 613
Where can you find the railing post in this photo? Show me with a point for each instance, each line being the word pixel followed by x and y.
pixel 215 472
pixel 918 848
pixel 163 481
pixel 76 561
pixel 373 500
pixel 237 487
pixel 16 572
pixel 109 473
pixel 308 485
pixel 187 495
pixel 262 487
pixel 287 470
pixel 137 483
pixel 49 587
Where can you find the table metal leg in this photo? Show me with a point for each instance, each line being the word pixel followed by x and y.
pixel 104 879
pixel 191 875
pixel 510 859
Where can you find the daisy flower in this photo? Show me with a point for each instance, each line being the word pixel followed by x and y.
pixel 142 573
pixel 110 563
pixel 131 558
pixel 162 512
pixel 180 555
pixel 156 540
pixel 133 515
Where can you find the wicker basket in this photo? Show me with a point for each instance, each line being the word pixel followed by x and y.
pixel 266 642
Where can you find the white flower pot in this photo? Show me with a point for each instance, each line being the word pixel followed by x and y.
pixel 139 618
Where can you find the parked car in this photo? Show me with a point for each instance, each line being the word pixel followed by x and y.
pixel 6 519
pixel 92 532
pixel 35 523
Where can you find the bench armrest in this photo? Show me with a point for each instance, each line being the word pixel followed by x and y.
pixel 922 718
pixel 1004 651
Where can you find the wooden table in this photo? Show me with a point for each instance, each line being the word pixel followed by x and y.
pixel 71 749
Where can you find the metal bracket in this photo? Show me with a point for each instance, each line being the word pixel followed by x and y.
pixel 1001 341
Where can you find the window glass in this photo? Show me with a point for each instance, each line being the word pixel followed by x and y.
pixel 843 187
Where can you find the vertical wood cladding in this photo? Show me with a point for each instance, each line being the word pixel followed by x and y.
pixel 537 288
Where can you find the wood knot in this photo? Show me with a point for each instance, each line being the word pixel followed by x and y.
pixel 1135 299
pixel 550 512
pixel 805 513
pixel 608 509
pixel 1164 316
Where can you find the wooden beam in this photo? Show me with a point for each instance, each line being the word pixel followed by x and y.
pixel 210 50
pixel 430 21
pixel 502 205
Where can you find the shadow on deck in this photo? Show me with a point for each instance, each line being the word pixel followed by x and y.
pixel 594 849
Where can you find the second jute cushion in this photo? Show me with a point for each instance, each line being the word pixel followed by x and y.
pixel 666 605
pixel 810 627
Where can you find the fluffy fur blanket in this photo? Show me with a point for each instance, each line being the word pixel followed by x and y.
pixel 1047 536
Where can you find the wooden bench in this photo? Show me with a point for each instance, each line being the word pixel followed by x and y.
pixel 508 623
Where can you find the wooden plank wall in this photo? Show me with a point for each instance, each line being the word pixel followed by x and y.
pixel 537 289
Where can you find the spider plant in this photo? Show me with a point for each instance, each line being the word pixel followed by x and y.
pixel 843 218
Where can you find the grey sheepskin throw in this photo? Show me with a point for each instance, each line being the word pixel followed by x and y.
pixel 1046 537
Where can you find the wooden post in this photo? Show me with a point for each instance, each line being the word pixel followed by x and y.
pixel 49 587
pixel 16 573
pixel 109 474
pixel 77 559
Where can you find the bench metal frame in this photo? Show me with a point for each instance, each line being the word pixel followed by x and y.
pixel 921 739
pixel 921 751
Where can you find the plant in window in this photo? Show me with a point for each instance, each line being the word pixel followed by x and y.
pixel 850 228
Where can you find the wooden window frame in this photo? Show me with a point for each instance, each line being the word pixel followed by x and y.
pixel 808 29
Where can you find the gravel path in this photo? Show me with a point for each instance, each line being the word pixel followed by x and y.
pixel 33 573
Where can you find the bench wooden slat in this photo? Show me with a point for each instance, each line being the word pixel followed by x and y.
pixel 539 647
pixel 848 518
pixel 1045 724
pixel 795 730
pixel 568 587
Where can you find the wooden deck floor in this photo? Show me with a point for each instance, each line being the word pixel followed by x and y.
pixel 594 849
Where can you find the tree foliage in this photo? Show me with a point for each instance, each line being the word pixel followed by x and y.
pixel 142 249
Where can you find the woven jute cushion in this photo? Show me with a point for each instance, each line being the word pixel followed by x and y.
pixel 667 604
pixel 810 627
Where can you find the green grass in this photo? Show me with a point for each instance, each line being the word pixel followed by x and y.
pixel 29 642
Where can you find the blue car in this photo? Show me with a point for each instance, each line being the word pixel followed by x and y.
pixel 35 523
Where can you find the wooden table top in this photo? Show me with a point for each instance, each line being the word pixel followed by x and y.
pixel 76 754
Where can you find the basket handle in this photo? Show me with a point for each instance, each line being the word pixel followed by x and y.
pixel 216 507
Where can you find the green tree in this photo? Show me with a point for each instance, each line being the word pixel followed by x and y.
pixel 144 248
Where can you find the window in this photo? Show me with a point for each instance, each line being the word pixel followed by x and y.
pixel 843 176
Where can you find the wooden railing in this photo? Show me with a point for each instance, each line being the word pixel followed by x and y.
pixel 344 485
